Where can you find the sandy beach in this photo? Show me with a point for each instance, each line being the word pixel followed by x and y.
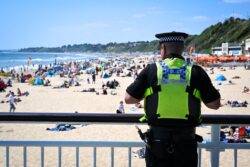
pixel 70 100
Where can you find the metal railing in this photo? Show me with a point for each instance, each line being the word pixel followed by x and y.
pixel 108 118
pixel 215 146
pixel 75 144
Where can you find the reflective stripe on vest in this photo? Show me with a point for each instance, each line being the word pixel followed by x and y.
pixel 173 76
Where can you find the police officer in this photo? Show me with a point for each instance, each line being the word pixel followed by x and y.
pixel 172 91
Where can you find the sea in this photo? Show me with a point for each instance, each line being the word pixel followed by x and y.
pixel 14 59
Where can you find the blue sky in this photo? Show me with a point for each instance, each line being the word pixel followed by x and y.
pixel 49 23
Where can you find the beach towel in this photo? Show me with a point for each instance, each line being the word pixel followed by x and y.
pixel 62 127
pixel 235 103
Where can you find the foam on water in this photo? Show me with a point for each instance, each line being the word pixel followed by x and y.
pixel 18 59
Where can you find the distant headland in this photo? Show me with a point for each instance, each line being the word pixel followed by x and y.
pixel 230 30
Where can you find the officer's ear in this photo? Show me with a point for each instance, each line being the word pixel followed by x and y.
pixel 162 46
pixel 163 51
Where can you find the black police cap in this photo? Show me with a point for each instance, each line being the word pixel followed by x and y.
pixel 172 37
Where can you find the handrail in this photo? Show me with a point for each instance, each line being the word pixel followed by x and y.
pixel 215 146
pixel 108 118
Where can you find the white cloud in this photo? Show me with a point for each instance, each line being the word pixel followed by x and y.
pixel 200 18
pixel 236 1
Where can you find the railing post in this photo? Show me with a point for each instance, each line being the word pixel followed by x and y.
pixel 129 157
pixel 235 157
pixel 42 156
pixel 94 157
pixel 112 157
pixel 199 157
pixel 7 156
pixel 77 156
pixel 59 156
pixel 215 142
pixel 24 156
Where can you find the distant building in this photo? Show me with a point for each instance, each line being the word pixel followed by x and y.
pixel 247 46
pixel 228 49
pixel 232 48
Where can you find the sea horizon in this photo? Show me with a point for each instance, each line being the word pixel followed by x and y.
pixel 15 59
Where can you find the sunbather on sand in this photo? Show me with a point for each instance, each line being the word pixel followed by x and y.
pixel 236 77
pixel 47 83
pixel 19 93
pixel 245 89
pixel 64 85
pixel 89 90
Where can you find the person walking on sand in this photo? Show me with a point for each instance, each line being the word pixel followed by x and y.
pixel 172 92
pixel 93 78
pixel 12 102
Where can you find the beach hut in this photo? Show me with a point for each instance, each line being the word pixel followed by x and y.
pixel 220 77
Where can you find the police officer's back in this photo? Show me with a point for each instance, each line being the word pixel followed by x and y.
pixel 172 91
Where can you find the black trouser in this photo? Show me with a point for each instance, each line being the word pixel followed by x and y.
pixel 171 150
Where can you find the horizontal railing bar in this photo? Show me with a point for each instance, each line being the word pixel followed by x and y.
pixel 72 143
pixel 69 117
pixel 209 145
pixel 17 143
pixel 109 118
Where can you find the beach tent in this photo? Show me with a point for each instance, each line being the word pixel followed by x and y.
pixel 220 77
pixel 105 75
pixel 38 81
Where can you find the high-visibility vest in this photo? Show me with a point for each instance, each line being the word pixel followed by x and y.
pixel 173 83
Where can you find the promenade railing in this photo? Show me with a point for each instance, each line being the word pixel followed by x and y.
pixel 214 146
